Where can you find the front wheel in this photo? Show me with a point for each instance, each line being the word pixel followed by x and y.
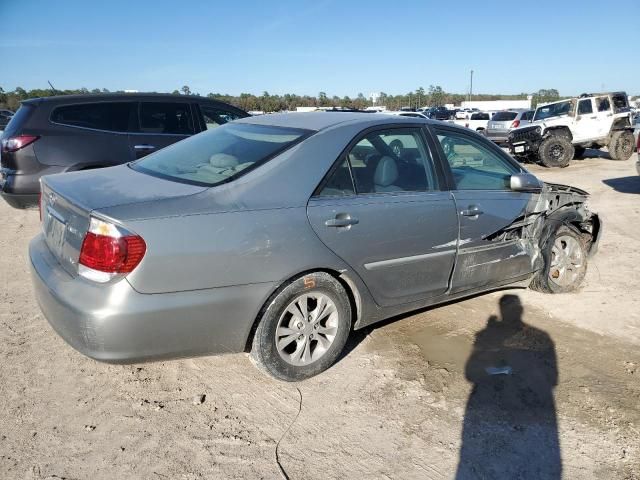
pixel 555 151
pixel 621 145
pixel 565 262
pixel 303 329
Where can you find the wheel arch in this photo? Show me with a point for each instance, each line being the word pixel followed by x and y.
pixel 587 224
pixel 559 130
pixel 347 282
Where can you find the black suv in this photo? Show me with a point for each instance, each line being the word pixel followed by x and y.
pixel 79 132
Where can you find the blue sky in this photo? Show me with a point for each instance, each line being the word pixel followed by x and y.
pixel 337 46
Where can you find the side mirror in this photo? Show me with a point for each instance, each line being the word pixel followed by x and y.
pixel 525 182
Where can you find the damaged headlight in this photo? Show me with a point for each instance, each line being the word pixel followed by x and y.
pixel 538 130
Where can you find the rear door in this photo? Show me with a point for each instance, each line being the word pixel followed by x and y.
pixel 491 248
pixel 161 123
pixel 383 210
pixel 586 121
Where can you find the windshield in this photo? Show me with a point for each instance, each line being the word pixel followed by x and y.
pixel 221 154
pixel 552 110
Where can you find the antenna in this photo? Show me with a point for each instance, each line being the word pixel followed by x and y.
pixel 52 87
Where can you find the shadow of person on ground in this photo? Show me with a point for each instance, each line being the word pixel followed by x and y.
pixel 510 428
pixel 629 184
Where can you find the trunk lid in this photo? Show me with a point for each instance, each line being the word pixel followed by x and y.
pixel 68 199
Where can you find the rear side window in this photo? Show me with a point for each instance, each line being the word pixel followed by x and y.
pixel 384 161
pixel 214 117
pixel 109 116
pixel 221 154
pixel 504 116
pixel 527 115
pixel 19 119
pixel 603 104
pixel 167 118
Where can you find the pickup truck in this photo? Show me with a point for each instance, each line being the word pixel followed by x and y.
pixel 477 121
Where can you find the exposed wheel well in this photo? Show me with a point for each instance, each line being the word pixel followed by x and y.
pixel 559 131
pixel 348 286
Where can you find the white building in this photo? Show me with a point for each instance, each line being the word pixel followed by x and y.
pixel 494 105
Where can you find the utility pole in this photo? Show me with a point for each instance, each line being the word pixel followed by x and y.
pixel 471 86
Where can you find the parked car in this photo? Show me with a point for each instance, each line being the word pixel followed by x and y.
pixel 280 234
pixel 5 116
pixel 559 131
pixel 67 133
pixel 440 113
pixel 477 121
pixel 504 121
pixel 463 113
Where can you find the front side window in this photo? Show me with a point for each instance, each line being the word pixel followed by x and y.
pixel 167 118
pixel 214 117
pixel 474 166
pixel 384 161
pixel 584 107
pixel 219 155
pixel 527 115
pixel 110 116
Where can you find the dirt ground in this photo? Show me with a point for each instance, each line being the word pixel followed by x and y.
pixel 512 384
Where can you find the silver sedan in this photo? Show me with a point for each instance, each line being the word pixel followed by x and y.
pixel 281 234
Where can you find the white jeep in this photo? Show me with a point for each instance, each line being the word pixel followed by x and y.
pixel 561 130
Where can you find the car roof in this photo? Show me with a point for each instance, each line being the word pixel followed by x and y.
pixel 321 120
pixel 99 97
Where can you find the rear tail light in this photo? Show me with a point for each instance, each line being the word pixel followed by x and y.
pixel 515 124
pixel 108 251
pixel 13 144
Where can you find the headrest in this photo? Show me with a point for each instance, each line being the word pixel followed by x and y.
pixel 386 172
pixel 223 160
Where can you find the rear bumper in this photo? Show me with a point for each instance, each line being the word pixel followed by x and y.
pixel 21 190
pixel 115 323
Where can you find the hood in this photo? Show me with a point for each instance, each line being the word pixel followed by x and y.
pixel 560 188
pixel 115 186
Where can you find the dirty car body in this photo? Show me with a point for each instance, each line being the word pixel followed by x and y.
pixel 333 198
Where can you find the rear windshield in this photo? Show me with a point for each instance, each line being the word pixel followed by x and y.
pixel 504 116
pixel 220 155
pixel 18 120
pixel 479 116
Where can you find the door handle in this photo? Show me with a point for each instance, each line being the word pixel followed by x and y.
pixel 472 211
pixel 593 118
pixel 342 220
pixel 144 147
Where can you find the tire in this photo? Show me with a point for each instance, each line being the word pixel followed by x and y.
pixel 555 151
pixel 279 346
pixel 567 272
pixel 579 153
pixel 621 145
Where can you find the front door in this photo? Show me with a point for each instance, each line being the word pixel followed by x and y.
pixel 382 211
pixel 160 124
pixel 491 248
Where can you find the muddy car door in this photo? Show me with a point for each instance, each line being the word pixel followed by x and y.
pixel 490 249
pixel 381 210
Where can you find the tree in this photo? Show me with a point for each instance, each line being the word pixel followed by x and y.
pixel 436 96
pixel 186 90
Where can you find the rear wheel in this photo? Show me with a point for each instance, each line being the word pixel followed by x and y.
pixel 565 262
pixel 303 329
pixel 555 151
pixel 621 145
